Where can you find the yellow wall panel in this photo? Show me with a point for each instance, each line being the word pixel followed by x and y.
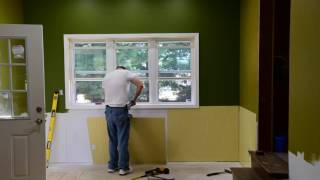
pixel 146 144
pixel 209 133
pixel 247 135
pixel 98 139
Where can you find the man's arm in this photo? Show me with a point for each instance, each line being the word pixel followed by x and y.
pixel 139 88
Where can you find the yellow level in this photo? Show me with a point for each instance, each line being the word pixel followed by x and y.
pixel 51 126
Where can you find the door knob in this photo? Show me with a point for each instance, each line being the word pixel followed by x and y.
pixel 39 109
pixel 39 121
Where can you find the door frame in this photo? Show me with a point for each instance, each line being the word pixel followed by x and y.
pixel 273 47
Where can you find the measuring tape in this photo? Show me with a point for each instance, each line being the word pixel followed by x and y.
pixel 51 126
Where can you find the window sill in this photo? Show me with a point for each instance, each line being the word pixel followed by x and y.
pixel 138 106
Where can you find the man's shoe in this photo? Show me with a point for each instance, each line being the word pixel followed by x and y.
pixel 124 172
pixel 112 170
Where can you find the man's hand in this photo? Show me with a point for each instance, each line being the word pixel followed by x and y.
pixel 132 103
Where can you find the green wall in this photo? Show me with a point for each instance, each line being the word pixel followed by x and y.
pixel 216 21
pixel 304 123
pixel 249 54
pixel 11 12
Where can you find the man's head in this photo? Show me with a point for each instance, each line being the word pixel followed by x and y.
pixel 121 67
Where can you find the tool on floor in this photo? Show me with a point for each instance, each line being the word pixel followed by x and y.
pixel 154 173
pixel 158 178
pixel 51 126
pixel 217 173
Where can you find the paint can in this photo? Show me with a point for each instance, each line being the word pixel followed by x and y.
pixel 280 143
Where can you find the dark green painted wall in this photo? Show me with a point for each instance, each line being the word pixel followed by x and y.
pixel 304 114
pixel 216 21
pixel 11 12
pixel 249 54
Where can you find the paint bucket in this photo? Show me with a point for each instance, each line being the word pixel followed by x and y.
pixel 280 143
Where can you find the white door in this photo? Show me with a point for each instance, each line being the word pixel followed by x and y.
pixel 22 131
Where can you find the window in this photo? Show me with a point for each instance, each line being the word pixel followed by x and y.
pixel 167 64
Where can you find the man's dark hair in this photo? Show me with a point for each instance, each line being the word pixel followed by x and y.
pixel 121 67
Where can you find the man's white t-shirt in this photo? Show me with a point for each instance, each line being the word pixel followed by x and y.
pixel 116 87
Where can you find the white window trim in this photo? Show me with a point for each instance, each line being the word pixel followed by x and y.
pixel 69 73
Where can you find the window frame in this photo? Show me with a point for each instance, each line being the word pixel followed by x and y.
pixel 151 38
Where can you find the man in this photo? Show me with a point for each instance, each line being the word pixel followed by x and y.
pixel 116 89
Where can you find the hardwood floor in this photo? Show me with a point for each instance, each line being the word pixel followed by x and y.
pixel 183 171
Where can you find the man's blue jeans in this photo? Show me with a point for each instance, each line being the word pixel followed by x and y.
pixel 118 130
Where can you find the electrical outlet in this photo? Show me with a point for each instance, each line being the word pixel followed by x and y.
pixel 61 92
pixel 93 147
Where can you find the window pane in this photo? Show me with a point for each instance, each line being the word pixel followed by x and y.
pixel 90 63
pixel 141 73
pixel 20 105
pixel 18 51
pixel 5 106
pixel 144 97
pixel 174 59
pixel 175 73
pixel 174 44
pixel 131 44
pixel 4 77
pixel 174 90
pixel 4 51
pixel 90 45
pixel 133 59
pixel 89 92
pixel 19 78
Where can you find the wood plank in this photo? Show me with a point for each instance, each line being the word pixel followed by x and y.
pixel 271 163
pixel 245 174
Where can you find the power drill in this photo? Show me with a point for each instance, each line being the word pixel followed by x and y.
pixel 157 171
pixel 154 173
